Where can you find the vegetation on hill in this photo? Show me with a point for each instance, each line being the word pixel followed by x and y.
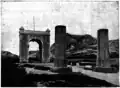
pixel 85 46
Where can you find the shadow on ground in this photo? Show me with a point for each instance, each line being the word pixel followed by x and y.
pixel 14 75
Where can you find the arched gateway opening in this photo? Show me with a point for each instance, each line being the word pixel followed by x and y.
pixel 35 50
pixel 43 40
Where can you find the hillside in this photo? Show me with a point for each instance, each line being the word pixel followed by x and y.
pixel 85 46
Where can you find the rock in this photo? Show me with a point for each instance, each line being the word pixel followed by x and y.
pixel 75 44
pixel 114 48
pixel 105 70
pixel 82 54
pixel 61 70
pixel 114 54
pixel 11 75
pixel 84 46
pixel 8 55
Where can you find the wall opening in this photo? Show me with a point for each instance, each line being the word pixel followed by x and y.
pixel 35 50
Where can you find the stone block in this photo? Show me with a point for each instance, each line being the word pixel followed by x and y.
pixel 105 70
pixel 61 70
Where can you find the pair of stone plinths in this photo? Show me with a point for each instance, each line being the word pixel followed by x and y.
pixel 60 47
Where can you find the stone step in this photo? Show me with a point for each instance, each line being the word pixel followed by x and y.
pixel 83 59
pixel 87 63
pixel 82 63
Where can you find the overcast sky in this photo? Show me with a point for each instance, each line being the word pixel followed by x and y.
pixel 79 18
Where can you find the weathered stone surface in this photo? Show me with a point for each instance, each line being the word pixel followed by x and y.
pixel 106 70
pixel 103 59
pixel 60 46
pixel 41 37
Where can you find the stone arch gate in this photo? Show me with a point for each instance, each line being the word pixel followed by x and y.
pixel 41 37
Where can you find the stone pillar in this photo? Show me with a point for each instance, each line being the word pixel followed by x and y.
pixel 23 46
pixel 60 47
pixel 103 49
pixel 46 47
pixel 40 55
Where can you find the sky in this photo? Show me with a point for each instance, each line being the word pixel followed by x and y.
pixel 78 17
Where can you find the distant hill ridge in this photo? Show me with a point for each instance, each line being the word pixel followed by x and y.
pixel 85 43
